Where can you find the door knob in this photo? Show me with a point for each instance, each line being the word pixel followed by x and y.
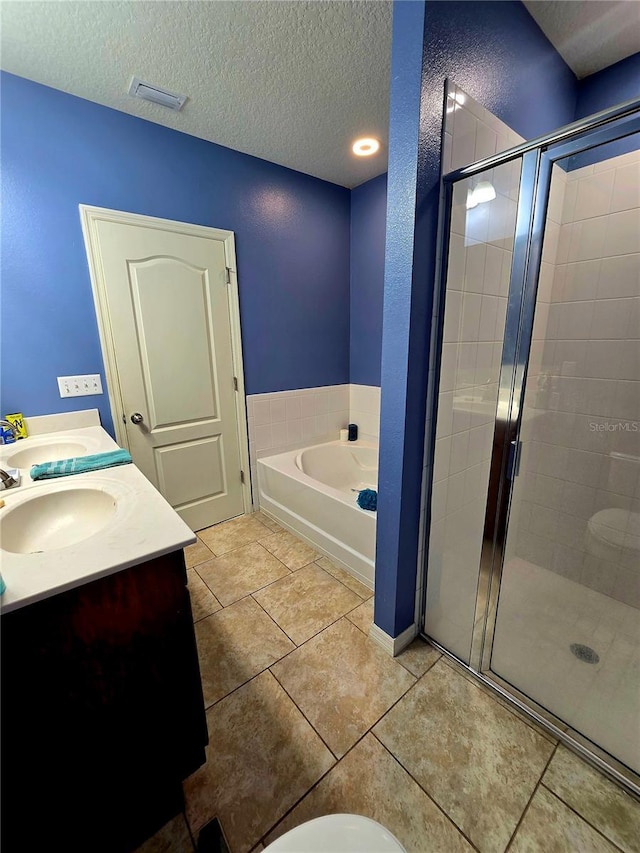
pixel 136 418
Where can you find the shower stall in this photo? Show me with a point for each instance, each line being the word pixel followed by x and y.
pixel 533 570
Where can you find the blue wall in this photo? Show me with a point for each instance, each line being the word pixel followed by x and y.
pixel 292 243
pixel 368 224
pixel 611 86
pixel 498 54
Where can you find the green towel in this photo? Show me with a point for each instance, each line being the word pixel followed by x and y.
pixel 80 464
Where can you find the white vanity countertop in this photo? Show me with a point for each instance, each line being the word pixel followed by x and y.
pixel 142 527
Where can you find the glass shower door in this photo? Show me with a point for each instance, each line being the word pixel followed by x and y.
pixel 567 623
pixel 481 242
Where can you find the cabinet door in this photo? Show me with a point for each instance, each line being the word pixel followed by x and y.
pixel 103 714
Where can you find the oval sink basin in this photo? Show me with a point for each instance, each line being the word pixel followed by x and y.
pixel 44 452
pixel 57 519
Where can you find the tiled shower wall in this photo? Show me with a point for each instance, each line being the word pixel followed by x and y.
pixel 287 420
pixel 584 403
pixel 479 265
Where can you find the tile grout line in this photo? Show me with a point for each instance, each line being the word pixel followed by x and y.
pixel 293 571
pixel 425 792
pixel 504 704
pixel 290 570
pixel 264 669
pixel 315 784
pixel 324 628
pixel 237 547
pixel 369 730
pixel 290 652
pixel 530 800
pixel 371 592
pixel 244 683
pixel 255 590
pixel 580 816
pixel 346 616
pixel 290 697
pixel 279 627
pixel 428 669
pixel 210 591
pixel 192 838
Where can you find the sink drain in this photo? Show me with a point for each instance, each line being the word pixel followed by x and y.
pixel 584 653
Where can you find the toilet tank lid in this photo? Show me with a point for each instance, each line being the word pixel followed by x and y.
pixel 346 833
pixel 618 527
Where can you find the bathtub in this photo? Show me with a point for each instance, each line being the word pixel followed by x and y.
pixel 311 493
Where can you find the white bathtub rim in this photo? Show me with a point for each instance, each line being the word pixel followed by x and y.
pixel 287 463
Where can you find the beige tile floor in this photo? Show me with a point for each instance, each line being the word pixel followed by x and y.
pixel 308 716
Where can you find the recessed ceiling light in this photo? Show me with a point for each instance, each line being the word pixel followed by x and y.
pixel 365 147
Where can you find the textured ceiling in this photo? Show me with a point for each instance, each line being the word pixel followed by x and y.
pixel 591 34
pixel 291 82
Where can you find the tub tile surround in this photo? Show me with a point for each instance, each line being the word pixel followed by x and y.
pixel 364 410
pixel 332 724
pixel 288 420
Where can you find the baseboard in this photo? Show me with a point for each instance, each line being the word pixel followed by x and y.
pixel 393 645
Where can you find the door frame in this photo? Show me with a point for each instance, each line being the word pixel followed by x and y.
pixel 89 218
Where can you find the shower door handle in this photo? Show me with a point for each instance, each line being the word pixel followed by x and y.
pixel 513 465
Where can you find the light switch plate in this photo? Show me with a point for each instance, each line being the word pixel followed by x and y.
pixel 80 386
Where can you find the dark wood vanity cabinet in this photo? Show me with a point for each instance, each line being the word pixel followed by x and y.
pixel 102 712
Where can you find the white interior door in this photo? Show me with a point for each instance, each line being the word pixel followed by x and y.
pixel 166 294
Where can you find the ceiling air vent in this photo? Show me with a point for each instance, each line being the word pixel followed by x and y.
pixel 140 89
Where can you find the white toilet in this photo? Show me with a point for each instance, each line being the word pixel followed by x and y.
pixel 613 534
pixel 337 833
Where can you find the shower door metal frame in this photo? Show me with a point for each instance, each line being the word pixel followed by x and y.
pixel 538 158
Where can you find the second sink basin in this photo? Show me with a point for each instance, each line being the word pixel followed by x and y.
pixel 55 519
pixel 41 451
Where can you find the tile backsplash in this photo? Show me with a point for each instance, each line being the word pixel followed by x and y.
pixel 286 420
pixel 364 409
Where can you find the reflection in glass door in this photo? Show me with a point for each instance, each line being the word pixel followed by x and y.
pixel 567 631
